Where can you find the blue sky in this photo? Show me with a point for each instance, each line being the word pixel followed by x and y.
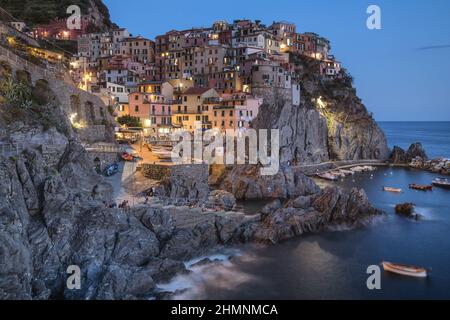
pixel 402 72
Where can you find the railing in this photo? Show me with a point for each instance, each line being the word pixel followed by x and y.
pixel 106 149
pixel 48 71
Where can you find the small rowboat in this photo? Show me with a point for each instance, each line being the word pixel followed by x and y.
pixel 328 176
pixel 389 189
pixel 420 187
pixel 405 270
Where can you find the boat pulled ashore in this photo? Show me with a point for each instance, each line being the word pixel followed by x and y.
pixel 328 176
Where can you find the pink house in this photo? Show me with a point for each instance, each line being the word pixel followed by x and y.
pixel 153 110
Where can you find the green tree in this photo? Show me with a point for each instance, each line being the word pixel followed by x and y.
pixel 129 121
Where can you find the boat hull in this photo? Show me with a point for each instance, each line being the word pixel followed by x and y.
pixel 394 190
pixel 443 186
pixel 405 270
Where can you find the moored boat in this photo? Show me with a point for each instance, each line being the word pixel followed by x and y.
pixel 442 183
pixel 347 172
pixel 328 176
pixel 395 190
pixel 404 270
pixel 420 187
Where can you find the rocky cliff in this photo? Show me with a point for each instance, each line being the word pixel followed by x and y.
pixel 53 215
pixel 35 12
pixel 331 122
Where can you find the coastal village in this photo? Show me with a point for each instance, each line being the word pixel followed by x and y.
pixel 86 174
pixel 208 77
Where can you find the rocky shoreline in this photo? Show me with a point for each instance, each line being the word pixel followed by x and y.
pixel 54 209
pixel 53 216
pixel 416 157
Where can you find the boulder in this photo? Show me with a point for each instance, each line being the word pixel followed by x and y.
pixel 221 199
pixel 398 156
pixel 271 207
pixel 414 151
pixel 302 203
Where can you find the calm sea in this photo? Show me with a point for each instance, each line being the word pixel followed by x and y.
pixel 435 136
pixel 334 265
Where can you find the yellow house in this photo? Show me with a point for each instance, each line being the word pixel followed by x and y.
pixel 122 109
pixel 190 121
pixel 195 99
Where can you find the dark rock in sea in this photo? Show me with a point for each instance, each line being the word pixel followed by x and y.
pixel 407 210
pixel 398 156
pixel 330 208
pixel 415 151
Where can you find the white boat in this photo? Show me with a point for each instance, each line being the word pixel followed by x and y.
pixel 348 172
pixel 328 176
pixel 404 270
pixel 395 190
pixel 442 183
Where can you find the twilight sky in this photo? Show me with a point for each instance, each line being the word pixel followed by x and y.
pixel 401 72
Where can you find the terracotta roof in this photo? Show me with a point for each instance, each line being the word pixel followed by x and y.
pixel 196 90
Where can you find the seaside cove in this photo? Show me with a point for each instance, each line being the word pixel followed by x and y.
pixel 334 265
pixel 88 181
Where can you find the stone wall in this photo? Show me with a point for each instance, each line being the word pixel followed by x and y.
pixel 156 172
pixel 90 109
pixel 93 133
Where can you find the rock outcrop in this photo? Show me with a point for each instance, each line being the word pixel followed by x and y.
pixel 245 182
pixel 185 184
pixel 328 210
pixel 331 122
pixel 415 151
pixel 439 165
pixel 54 216
pixel 35 12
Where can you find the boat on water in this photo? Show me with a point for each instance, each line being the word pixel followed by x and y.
pixel 395 190
pixel 442 183
pixel 420 187
pixel 405 270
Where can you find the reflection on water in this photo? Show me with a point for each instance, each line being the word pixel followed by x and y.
pixel 333 265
